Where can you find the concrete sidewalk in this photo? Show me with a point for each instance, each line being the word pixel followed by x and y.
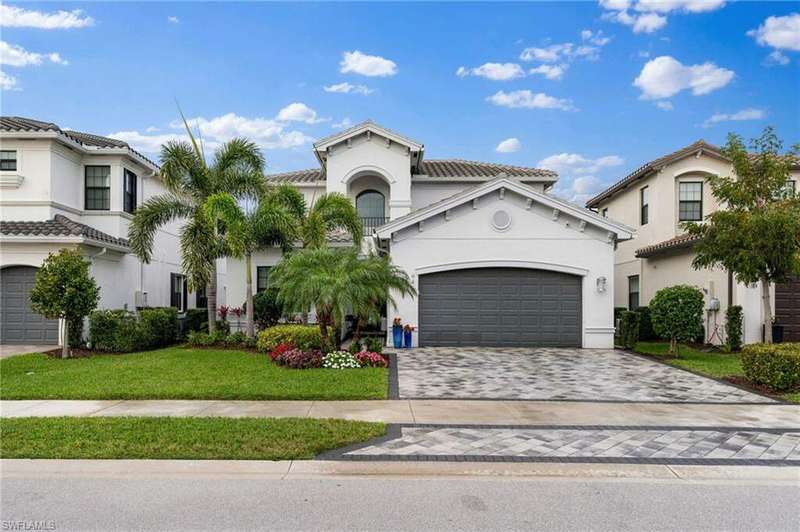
pixel 312 469
pixel 442 412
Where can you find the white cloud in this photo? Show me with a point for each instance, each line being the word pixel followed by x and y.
pixel 299 112
pixel 344 124
pixel 367 65
pixel 664 105
pixel 576 164
pixel 7 83
pixel 173 20
pixel 578 190
pixel 781 33
pixel 686 6
pixel 510 145
pixel 267 133
pixel 776 57
pixel 17 56
pixel 550 71
pixel 596 38
pixel 493 71
pixel 664 77
pixel 559 52
pixel 17 17
pixel 348 88
pixel 525 99
pixel 152 129
pixel 648 15
pixel 751 113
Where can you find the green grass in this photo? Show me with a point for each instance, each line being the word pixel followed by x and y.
pixel 179 438
pixel 178 373
pixel 717 365
pixel 713 364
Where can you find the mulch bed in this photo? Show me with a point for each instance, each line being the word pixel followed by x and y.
pixel 741 381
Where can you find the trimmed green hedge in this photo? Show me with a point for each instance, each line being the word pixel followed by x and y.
pixel 120 331
pixel 301 336
pixel 776 366
pixel 628 329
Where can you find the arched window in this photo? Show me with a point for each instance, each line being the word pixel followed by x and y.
pixel 370 205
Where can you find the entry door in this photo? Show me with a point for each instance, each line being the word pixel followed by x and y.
pixel 500 307
pixel 19 324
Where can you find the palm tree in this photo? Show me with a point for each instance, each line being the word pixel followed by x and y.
pixel 261 223
pixel 330 212
pixel 237 168
pixel 335 281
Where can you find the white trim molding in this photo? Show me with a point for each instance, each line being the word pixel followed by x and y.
pixel 502 263
pixel 11 180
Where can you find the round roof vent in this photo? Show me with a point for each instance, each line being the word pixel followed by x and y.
pixel 501 220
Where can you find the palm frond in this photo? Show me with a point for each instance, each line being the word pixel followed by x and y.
pixel 334 211
pixel 238 233
pixel 199 250
pixel 152 214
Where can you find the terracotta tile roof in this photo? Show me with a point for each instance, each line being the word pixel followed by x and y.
pixel 450 168
pixel 59 226
pixel 17 123
pixel 680 241
pixel 438 168
pixel 653 166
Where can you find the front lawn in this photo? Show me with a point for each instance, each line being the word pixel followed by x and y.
pixel 179 438
pixel 713 364
pixel 179 373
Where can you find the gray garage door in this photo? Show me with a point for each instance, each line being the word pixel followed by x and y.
pixel 20 324
pixel 500 307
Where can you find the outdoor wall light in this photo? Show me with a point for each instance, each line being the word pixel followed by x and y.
pixel 601 284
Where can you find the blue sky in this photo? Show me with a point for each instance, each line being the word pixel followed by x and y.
pixel 590 89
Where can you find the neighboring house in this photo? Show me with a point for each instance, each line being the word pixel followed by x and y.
pixel 656 199
pixel 497 260
pixel 67 189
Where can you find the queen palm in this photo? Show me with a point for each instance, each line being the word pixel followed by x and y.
pixel 329 212
pixel 237 169
pixel 259 223
pixel 336 281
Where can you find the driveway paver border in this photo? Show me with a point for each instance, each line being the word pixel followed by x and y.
pixel 394 379
pixel 395 431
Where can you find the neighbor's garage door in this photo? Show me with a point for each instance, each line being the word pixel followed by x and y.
pixel 18 323
pixel 787 309
pixel 500 307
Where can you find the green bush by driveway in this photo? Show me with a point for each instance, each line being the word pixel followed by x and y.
pixel 178 373
pixel 179 438
pixel 774 365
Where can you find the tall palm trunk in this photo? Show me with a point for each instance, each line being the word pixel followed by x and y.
pixel 767 310
pixel 251 310
pixel 211 297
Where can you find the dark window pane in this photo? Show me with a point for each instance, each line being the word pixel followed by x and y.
pixel 262 278
pixel 633 292
pixel 98 191
pixel 8 160
pixel 129 192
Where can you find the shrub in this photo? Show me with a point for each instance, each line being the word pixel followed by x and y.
pixel 340 360
pixel 776 366
pixel 195 319
pixel 160 325
pixel 374 344
pixel 113 330
pixel 733 327
pixel 301 336
pixel 279 350
pixel 76 332
pixel 646 332
pixel 267 310
pixel 618 312
pixel 677 314
pixel 299 359
pixel 354 348
pixel 205 339
pixel 628 329
pixel 237 339
pixel 371 359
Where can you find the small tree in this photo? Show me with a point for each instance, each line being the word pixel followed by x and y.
pixel 65 290
pixel 733 327
pixel 677 314
pixel 756 233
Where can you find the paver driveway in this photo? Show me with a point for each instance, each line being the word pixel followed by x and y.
pixel 554 374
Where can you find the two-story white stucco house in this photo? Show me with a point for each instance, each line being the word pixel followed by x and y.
pixel 67 189
pixel 497 261
pixel 656 199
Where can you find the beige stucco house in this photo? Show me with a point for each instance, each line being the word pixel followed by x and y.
pixel 655 199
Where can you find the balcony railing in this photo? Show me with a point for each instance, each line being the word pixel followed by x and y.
pixel 372 222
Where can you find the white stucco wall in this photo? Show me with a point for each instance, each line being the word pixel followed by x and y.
pixel 534 240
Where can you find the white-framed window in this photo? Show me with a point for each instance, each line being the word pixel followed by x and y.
pixel 644 202
pixel 633 292
pixel 177 291
pixel 129 191
pixel 262 278
pixel 690 201
pixel 98 188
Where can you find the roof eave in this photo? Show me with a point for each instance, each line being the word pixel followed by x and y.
pixel 62 239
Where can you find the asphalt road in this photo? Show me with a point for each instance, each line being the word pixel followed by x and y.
pixel 207 503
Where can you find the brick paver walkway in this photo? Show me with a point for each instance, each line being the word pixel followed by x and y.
pixel 554 374
pixel 638 444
